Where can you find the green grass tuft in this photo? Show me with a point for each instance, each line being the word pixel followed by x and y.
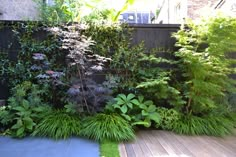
pixel 109 149
pixel 58 125
pixel 211 125
pixel 107 127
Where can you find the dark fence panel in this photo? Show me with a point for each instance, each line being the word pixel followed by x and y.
pixel 10 45
pixel 155 35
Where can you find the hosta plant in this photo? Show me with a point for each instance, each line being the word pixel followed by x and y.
pixel 135 109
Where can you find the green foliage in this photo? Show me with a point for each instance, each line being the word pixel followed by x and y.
pixel 58 124
pixel 113 40
pixel 4 64
pixel 16 69
pixel 134 109
pixel 109 37
pixel 169 118
pixel 156 79
pixel 109 149
pixel 24 110
pixel 79 10
pixel 204 63
pixel 110 127
pixel 61 11
pixel 217 125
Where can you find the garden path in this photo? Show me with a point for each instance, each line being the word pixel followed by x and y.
pixel 157 143
pixel 43 147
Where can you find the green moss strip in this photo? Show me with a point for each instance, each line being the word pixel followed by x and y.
pixel 109 149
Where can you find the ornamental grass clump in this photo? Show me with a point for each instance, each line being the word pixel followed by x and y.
pixel 58 125
pixel 107 127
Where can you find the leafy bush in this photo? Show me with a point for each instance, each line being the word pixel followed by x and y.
pixel 135 110
pixel 169 117
pixel 107 127
pixel 81 65
pixel 204 63
pixel 218 125
pixel 24 110
pixel 58 124
pixel 156 79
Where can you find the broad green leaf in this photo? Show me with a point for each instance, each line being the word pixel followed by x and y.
pixel 122 96
pixel 152 108
pixel 142 106
pixel 149 102
pixel 116 106
pixel 130 105
pixel 39 109
pixel 127 117
pixel 124 109
pixel 19 108
pixel 121 102
pixel 140 98
pixel 148 122
pixel 141 123
pixel 135 101
pixel 18 124
pixel 25 104
pixel 155 116
pixel 130 96
pixel 20 132
pixel 144 113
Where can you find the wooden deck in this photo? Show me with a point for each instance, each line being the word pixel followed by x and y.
pixel 155 143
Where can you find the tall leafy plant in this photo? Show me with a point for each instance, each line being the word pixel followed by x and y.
pixel 156 79
pixel 82 65
pixel 204 62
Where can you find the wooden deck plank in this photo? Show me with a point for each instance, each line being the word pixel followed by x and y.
pixel 153 143
pixel 129 150
pixel 142 142
pixel 137 149
pixel 167 145
pixel 174 142
pixel 219 147
pixel 195 146
pixel 122 150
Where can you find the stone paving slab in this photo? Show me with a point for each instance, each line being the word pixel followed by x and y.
pixel 43 147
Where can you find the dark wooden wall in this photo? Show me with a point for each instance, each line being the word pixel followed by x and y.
pixel 155 35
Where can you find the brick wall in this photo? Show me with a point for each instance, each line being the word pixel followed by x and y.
pixel 195 7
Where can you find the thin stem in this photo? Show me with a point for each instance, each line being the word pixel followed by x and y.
pixel 82 88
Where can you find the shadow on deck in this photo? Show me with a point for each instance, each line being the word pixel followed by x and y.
pixel 156 143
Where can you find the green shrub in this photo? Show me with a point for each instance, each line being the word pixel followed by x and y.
pixel 168 118
pixel 211 125
pixel 204 63
pixel 58 125
pixel 134 109
pixel 107 127
pixel 24 110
